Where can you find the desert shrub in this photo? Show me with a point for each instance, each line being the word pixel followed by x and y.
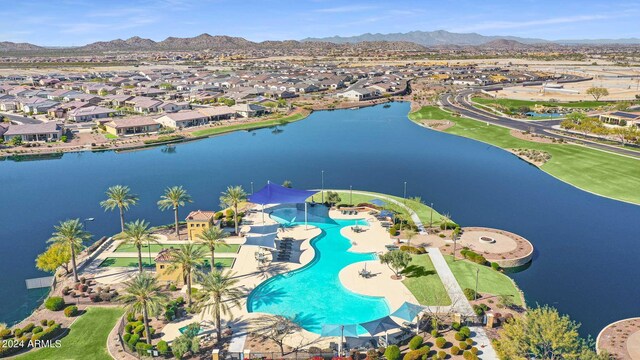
pixel 162 347
pixel 416 342
pixel 392 352
pixel 459 336
pixel 138 329
pixel 441 342
pixel 465 331
pixel 456 326
pixel 474 350
pixel 133 340
pixel 142 347
pixel 455 350
pixel 151 330
pixel 51 322
pixel 37 329
pixel 48 334
pixel 70 311
pixel 106 296
pixel 478 310
pixel 442 354
pixel 131 317
pixel 495 266
pixel 28 328
pixel 416 354
pixel 435 333
pixel 470 294
pixel 469 341
pixel 54 303
pixel 17 333
pixel 126 337
pixel 5 333
pixel 43 322
pixel 173 287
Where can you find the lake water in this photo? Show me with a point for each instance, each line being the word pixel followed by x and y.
pixel 587 247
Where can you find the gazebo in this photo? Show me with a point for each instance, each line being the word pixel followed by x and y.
pixel 277 194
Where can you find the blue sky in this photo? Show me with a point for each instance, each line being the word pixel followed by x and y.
pixel 77 22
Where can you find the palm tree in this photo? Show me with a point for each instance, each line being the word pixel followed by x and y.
pixel 71 233
pixel 187 257
pixel 119 196
pixel 137 233
pixel 212 237
pixel 232 198
pixel 219 293
pixel 143 294
pixel 410 234
pixel 173 198
pixel 445 220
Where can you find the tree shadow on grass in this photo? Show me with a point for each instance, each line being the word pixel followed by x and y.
pixel 417 271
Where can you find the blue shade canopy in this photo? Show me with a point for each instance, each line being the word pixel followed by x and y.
pixel 337 330
pixel 408 311
pixel 387 213
pixel 276 194
pixel 377 202
pixel 379 325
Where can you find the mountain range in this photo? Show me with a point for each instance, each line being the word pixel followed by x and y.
pixel 414 40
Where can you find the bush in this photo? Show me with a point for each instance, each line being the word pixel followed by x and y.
pixel 442 354
pixel 495 266
pixel 48 334
pixel 162 347
pixel 5 333
pixel 173 287
pixel 151 330
pixel 474 350
pixel 393 231
pixel 138 329
pixel 416 342
pixel 17 332
pixel 456 326
pixel 469 341
pixel 478 310
pixel 455 350
pixel 470 294
pixel 435 333
pixel 126 337
pixel 51 322
pixel 467 355
pixel 70 311
pixel 37 329
pixel 54 303
pixel 459 336
pixel 465 331
pixel 131 317
pixel 416 354
pixel 392 352
pixel 450 225
pixel 133 340
pixel 463 345
pixel 441 342
pixel 142 347
pixel 28 328
pixel 43 322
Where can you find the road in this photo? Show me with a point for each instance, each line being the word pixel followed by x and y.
pixel 460 103
pixel 19 119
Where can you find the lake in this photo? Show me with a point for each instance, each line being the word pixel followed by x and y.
pixel 586 245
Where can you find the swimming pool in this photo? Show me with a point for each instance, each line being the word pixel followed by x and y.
pixel 313 295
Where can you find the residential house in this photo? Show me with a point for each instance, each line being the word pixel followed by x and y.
pixel 249 110
pixel 214 113
pixel 89 113
pixel 183 119
pixel 359 94
pixel 143 104
pixel 49 131
pixel 132 126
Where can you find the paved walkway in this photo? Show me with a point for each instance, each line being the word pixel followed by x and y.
pixel 458 300
pixel 484 343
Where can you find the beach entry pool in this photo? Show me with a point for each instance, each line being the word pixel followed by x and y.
pixel 313 295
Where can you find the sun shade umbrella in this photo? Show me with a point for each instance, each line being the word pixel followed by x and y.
pixel 383 324
pixel 340 330
pixel 408 311
pixel 377 202
pixel 277 194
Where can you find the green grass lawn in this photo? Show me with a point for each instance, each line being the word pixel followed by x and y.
pixel 597 171
pixel 248 126
pixel 489 280
pixel 518 103
pixel 87 337
pixel 229 248
pixel 423 211
pixel 109 136
pixel 133 262
pixel 424 283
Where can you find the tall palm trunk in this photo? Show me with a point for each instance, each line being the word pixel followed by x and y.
pixel 146 324
pixel 217 315
pixel 235 217
pixel 73 264
pixel 188 287
pixel 139 258
pixel 175 212
pixel 213 258
pixel 121 219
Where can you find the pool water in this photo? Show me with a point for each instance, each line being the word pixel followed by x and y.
pixel 313 295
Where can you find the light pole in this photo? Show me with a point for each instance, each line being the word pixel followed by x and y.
pixel 252 188
pixel 431 218
pixel 405 193
pixel 350 195
pixel 322 187
pixel 475 296
pixel 85 222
